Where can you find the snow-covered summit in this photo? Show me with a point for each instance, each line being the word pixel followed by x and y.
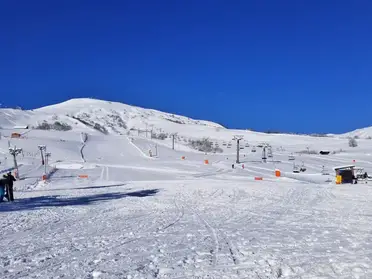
pixel 103 116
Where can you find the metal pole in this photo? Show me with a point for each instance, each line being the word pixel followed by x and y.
pixel 15 165
pixel 173 136
pixel 45 166
pixel 156 149
pixel 238 139
pixel 14 152
pixel 237 151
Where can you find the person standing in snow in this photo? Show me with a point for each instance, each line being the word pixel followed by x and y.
pixel 2 189
pixel 9 181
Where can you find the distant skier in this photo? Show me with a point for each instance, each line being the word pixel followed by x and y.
pixel 9 178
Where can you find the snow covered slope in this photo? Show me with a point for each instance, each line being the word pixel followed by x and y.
pixel 361 133
pixel 103 116
pixel 110 210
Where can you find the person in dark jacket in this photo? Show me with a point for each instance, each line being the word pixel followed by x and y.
pixel 9 180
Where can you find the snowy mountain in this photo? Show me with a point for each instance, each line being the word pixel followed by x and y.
pixel 361 133
pixel 103 116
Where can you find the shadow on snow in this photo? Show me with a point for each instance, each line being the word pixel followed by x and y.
pixel 36 203
pixel 75 188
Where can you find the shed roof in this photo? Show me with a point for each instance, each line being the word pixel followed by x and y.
pixel 344 167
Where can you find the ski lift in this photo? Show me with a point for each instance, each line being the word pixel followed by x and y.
pixel 224 144
pixel 324 171
pixel 241 147
pixel 269 152
pixel 303 168
pixel 229 146
pixel 296 169
pixel 246 145
pixel 291 157
pixel 253 149
pixel 264 158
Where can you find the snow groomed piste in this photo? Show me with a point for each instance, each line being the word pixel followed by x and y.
pixel 115 210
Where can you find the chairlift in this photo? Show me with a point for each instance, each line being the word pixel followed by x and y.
pixel 241 147
pixel 264 158
pixel 291 157
pixel 296 169
pixel 324 171
pixel 246 145
pixel 253 149
pixel 224 144
pixel 303 168
pixel 270 152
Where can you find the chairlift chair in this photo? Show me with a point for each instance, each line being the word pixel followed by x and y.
pixel 296 169
pixel 253 149
pixel 324 171
pixel 264 158
pixel 270 152
pixel 291 157
pixel 303 168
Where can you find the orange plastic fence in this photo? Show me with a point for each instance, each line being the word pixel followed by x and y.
pixel 83 176
pixel 258 178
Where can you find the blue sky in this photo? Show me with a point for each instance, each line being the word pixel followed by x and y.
pixel 301 66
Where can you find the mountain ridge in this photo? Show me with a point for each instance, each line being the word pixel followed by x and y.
pixel 110 117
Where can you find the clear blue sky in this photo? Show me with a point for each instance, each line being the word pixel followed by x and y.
pixel 289 65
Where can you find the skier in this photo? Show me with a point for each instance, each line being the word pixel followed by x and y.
pixel 9 181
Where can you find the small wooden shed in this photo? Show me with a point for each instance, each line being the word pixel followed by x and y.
pixel 344 174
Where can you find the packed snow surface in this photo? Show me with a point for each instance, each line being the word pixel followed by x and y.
pixel 128 206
